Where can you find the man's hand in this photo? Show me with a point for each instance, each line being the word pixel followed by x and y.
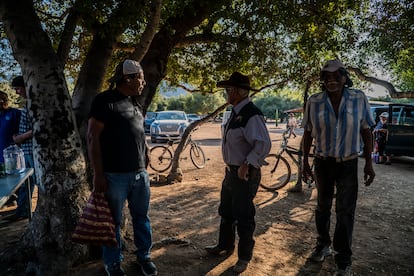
pixel 307 173
pixel 18 138
pixel 369 173
pixel 100 184
pixel 243 172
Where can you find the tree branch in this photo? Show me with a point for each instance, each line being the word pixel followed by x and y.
pixel 142 46
pixel 67 35
pixel 391 89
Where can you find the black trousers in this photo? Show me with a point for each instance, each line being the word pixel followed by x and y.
pixel 343 176
pixel 237 211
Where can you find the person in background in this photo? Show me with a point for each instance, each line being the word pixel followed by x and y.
pixel 118 153
pixel 24 140
pixel 336 118
pixel 292 123
pixel 9 123
pixel 381 134
pixel 245 144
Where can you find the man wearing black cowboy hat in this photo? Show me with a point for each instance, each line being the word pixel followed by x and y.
pixel 246 143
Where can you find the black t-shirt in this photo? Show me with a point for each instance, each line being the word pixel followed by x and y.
pixel 122 139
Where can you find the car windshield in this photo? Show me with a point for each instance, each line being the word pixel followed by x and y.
pixel 171 116
pixel 150 115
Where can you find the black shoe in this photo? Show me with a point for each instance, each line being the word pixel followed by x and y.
pixel 218 251
pixel 114 270
pixel 240 266
pixel 343 271
pixel 320 252
pixel 148 268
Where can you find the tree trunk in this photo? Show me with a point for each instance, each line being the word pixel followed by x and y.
pixel 173 175
pixel 59 162
pixel 91 79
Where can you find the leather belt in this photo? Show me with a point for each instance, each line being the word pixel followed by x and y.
pixel 235 167
pixel 338 159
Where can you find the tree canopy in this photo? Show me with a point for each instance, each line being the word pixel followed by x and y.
pixel 66 50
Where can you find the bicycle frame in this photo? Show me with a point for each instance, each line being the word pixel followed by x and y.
pixel 294 154
pixel 164 155
pixel 289 150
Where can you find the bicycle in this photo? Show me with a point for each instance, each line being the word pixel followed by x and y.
pixel 277 173
pixel 161 156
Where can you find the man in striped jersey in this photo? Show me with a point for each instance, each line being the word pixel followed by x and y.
pixel 337 118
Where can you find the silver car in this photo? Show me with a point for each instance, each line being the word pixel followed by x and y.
pixel 168 124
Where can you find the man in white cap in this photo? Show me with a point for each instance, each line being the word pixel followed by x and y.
pixel 381 134
pixel 337 118
pixel 118 153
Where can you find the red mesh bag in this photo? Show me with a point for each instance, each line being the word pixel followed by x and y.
pixel 95 225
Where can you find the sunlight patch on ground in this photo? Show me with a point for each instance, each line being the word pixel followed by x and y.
pixel 222 267
pixel 301 214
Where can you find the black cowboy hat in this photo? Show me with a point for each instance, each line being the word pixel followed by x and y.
pixel 236 80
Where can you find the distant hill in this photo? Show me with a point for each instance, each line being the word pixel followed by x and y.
pixel 169 92
pixel 172 92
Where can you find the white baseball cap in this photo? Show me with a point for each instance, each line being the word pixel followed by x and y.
pixel 127 67
pixel 384 114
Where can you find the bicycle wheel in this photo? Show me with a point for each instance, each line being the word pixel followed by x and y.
pixel 161 158
pixel 276 174
pixel 197 156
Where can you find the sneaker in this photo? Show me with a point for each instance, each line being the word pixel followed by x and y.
pixel 346 271
pixel 114 270
pixel 218 251
pixel 148 268
pixel 320 252
pixel 240 266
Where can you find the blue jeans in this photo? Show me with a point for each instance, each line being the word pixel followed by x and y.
pixel 22 204
pixel 135 188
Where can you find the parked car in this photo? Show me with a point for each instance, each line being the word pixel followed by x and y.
pixel 193 117
pixel 149 118
pixel 400 128
pixel 168 124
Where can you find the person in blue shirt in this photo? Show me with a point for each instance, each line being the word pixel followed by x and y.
pixel 9 123
pixel 337 118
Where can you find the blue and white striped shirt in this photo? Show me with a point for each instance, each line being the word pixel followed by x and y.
pixel 337 137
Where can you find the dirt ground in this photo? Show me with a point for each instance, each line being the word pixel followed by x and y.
pixel 185 220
